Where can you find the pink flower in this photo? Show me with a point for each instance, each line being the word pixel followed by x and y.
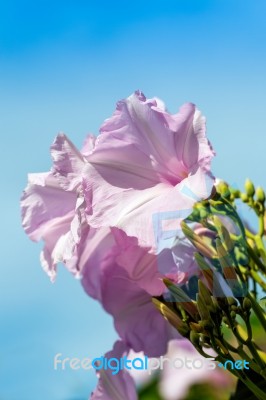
pixel 52 206
pixel 111 214
pixel 147 169
pixel 53 210
pixel 145 173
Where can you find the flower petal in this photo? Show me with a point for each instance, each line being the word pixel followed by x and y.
pixel 42 201
pixel 138 212
pixel 67 162
pixel 115 387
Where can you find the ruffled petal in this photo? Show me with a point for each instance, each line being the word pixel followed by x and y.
pixel 115 387
pixel 42 201
pixel 67 162
pixel 142 138
pixel 57 242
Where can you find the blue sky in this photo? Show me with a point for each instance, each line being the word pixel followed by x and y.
pixel 63 66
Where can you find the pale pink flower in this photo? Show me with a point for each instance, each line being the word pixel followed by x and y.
pixel 53 210
pixel 111 214
pixel 148 168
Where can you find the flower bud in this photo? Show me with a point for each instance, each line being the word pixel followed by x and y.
pixel 215 304
pixel 197 241
pixel 244 197
pixel 179 296
pixel 260 194
pixel 204 293
pixel 249 187
pixel 223 188
pixel 206 324
pixel 223 233
pixel 195 338
pixel 247 304
pixel 232 301
pixel 228 269
pixel 235 193
pixel 210 275
pixel 196 327
pixel 225 320
pixel 203 213
pixel 171 317
pixel 203 310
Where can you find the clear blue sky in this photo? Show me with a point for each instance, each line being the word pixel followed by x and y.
pixel 63 65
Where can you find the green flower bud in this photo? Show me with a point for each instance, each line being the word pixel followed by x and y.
pixel 260 194
pixel 235 193
pixel 247 304
pixel 179 296
pixel 171 317
pixel 244 197
pixel 203 213
pixel 204 247
pixel 225 320
pixel 204 293
pixel 196 327
pixel 223 188
pixel 215 304
pixel 203 310
pixel 250 189
pixel 232 301
pixel 195 338
pixel 206 324
pixel 205 203
pixel 232 314
pixel 223 233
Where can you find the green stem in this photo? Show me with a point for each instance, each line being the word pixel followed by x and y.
pixel 246 357
pixel 261 225
pixel 260 245
pixel 249 234
pixel 242 376
pixel 253 388
pixel 242 353
pixel 256 356
pixel 258 311
pixel 256 259
pixel 258 279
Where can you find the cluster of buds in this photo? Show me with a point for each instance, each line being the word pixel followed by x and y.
pixel 220 312
pixel 253 197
